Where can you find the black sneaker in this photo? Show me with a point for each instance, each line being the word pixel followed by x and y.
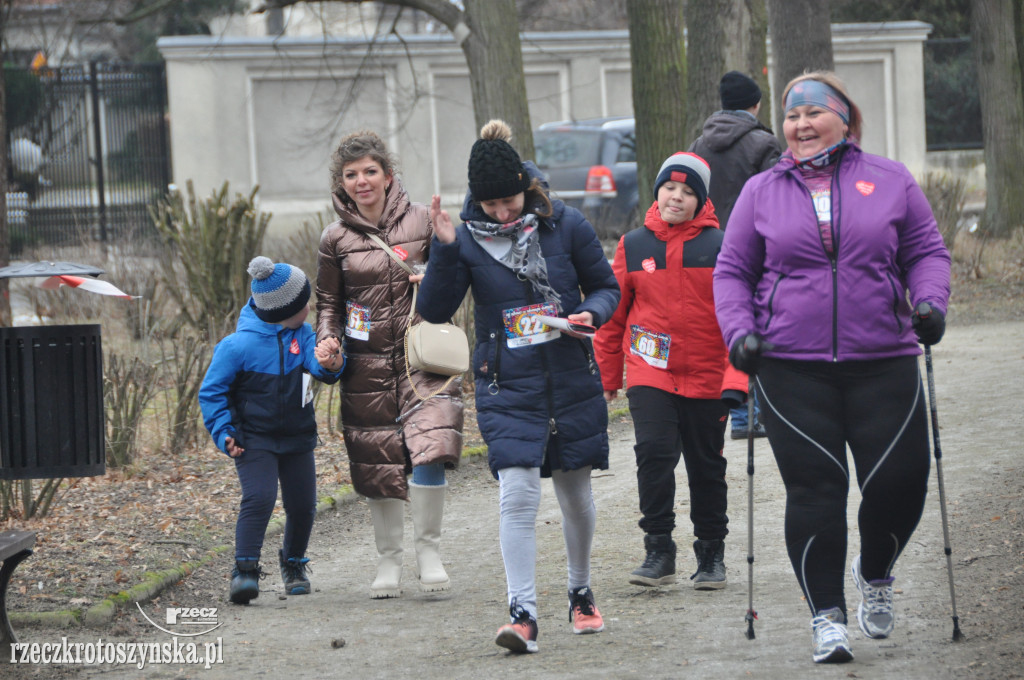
pixel 245 580
pixel 521 635
pixel 293 573
pixel 659 567
pixel 710 574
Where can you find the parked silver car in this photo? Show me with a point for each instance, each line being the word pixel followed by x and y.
pixel 591 165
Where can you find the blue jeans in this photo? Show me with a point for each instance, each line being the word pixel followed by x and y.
pixel 739 415
pixel 428 475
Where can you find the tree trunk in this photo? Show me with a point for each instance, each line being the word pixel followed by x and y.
pixel 756 55
pixel 495 59
pixel 6 318
pixel 722 35
pixel 801 34
pixel 658 60
pixel 708 53
pixel 997 53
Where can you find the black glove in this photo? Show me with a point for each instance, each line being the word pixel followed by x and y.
pixel 929 324
pixel 746 352
pixel 734 398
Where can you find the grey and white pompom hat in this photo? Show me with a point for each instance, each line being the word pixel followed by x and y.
pixel 279 291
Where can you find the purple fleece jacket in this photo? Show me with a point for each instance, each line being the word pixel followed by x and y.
pixel 775 278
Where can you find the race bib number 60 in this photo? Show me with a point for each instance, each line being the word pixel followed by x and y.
pixel 649 345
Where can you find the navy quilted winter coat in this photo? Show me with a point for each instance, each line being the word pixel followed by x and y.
pixel 538 405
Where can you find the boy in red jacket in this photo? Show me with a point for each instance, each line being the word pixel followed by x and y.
pixel 680 381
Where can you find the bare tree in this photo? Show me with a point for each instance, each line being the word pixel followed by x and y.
pixel 723 35
pixel 801 35
pixel 488 33
pixel 5 234
pixel 997 36
pixel 658 62
pixel 571 15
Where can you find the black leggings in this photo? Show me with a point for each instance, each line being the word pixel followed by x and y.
pixel 812 411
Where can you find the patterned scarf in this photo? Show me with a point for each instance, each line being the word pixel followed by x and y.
pixel 517 246
pixel 823 158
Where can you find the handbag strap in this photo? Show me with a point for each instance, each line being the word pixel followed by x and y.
pixel 394 256
pixel 412 313
pixel 387 249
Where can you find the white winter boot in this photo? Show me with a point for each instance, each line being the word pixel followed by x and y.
pixel 388 525
pixel 427 513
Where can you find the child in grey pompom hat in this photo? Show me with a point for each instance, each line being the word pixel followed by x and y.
pixel 257 404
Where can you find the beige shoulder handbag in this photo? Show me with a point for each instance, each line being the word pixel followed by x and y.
pixel 440 348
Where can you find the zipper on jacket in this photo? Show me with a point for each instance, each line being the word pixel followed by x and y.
pixel 833 257
pixel 835 212
pixel 589 354
pixel 895 302
pixel 552 425
pixel 494 388
pixel 771 301
pixel 280 371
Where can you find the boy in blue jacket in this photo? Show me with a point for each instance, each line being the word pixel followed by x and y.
pixel 257 403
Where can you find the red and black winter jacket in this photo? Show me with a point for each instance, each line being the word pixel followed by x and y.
pixel 664 272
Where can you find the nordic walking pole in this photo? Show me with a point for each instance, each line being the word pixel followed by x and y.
pixel 751 614
pixel 957 635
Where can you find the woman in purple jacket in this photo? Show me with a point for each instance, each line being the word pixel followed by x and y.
pixel 825 261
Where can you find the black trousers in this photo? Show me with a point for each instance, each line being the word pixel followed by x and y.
pixel 812 411
pixel 665 425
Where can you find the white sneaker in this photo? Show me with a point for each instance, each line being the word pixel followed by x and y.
pixel 876 613
pixel 831 642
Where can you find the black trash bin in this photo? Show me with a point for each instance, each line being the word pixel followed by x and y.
pixel 51 402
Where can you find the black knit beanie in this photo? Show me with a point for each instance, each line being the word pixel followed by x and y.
pixel 495 170
pixel 738 91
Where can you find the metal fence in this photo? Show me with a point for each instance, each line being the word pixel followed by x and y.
pixel 103 135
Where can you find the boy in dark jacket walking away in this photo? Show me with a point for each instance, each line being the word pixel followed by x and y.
pixel 666 333
pixel 257 404
pixel 736 146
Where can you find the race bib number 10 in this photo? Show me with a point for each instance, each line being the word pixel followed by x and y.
pixel 523 328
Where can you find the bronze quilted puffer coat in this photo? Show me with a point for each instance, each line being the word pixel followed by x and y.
pixel 388 430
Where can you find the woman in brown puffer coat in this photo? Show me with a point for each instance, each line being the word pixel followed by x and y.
pixel 363 301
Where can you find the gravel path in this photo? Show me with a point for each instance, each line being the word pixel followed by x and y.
pixel 670 632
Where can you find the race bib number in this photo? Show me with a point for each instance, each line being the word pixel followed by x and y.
pixel 823 205
pixel 523 328
pixel 650 346
pixel 357 325
pixel 307 389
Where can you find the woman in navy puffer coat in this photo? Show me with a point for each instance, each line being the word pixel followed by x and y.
pixel 539 400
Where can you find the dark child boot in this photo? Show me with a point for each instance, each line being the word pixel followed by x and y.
pixel 659 567
pixel 245 580
pixel 710 574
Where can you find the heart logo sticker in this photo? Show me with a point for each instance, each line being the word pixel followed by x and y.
pixel 401 252
pixel 649 265
pixel 865 187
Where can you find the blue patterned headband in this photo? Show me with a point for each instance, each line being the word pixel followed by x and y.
pixel 816 93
